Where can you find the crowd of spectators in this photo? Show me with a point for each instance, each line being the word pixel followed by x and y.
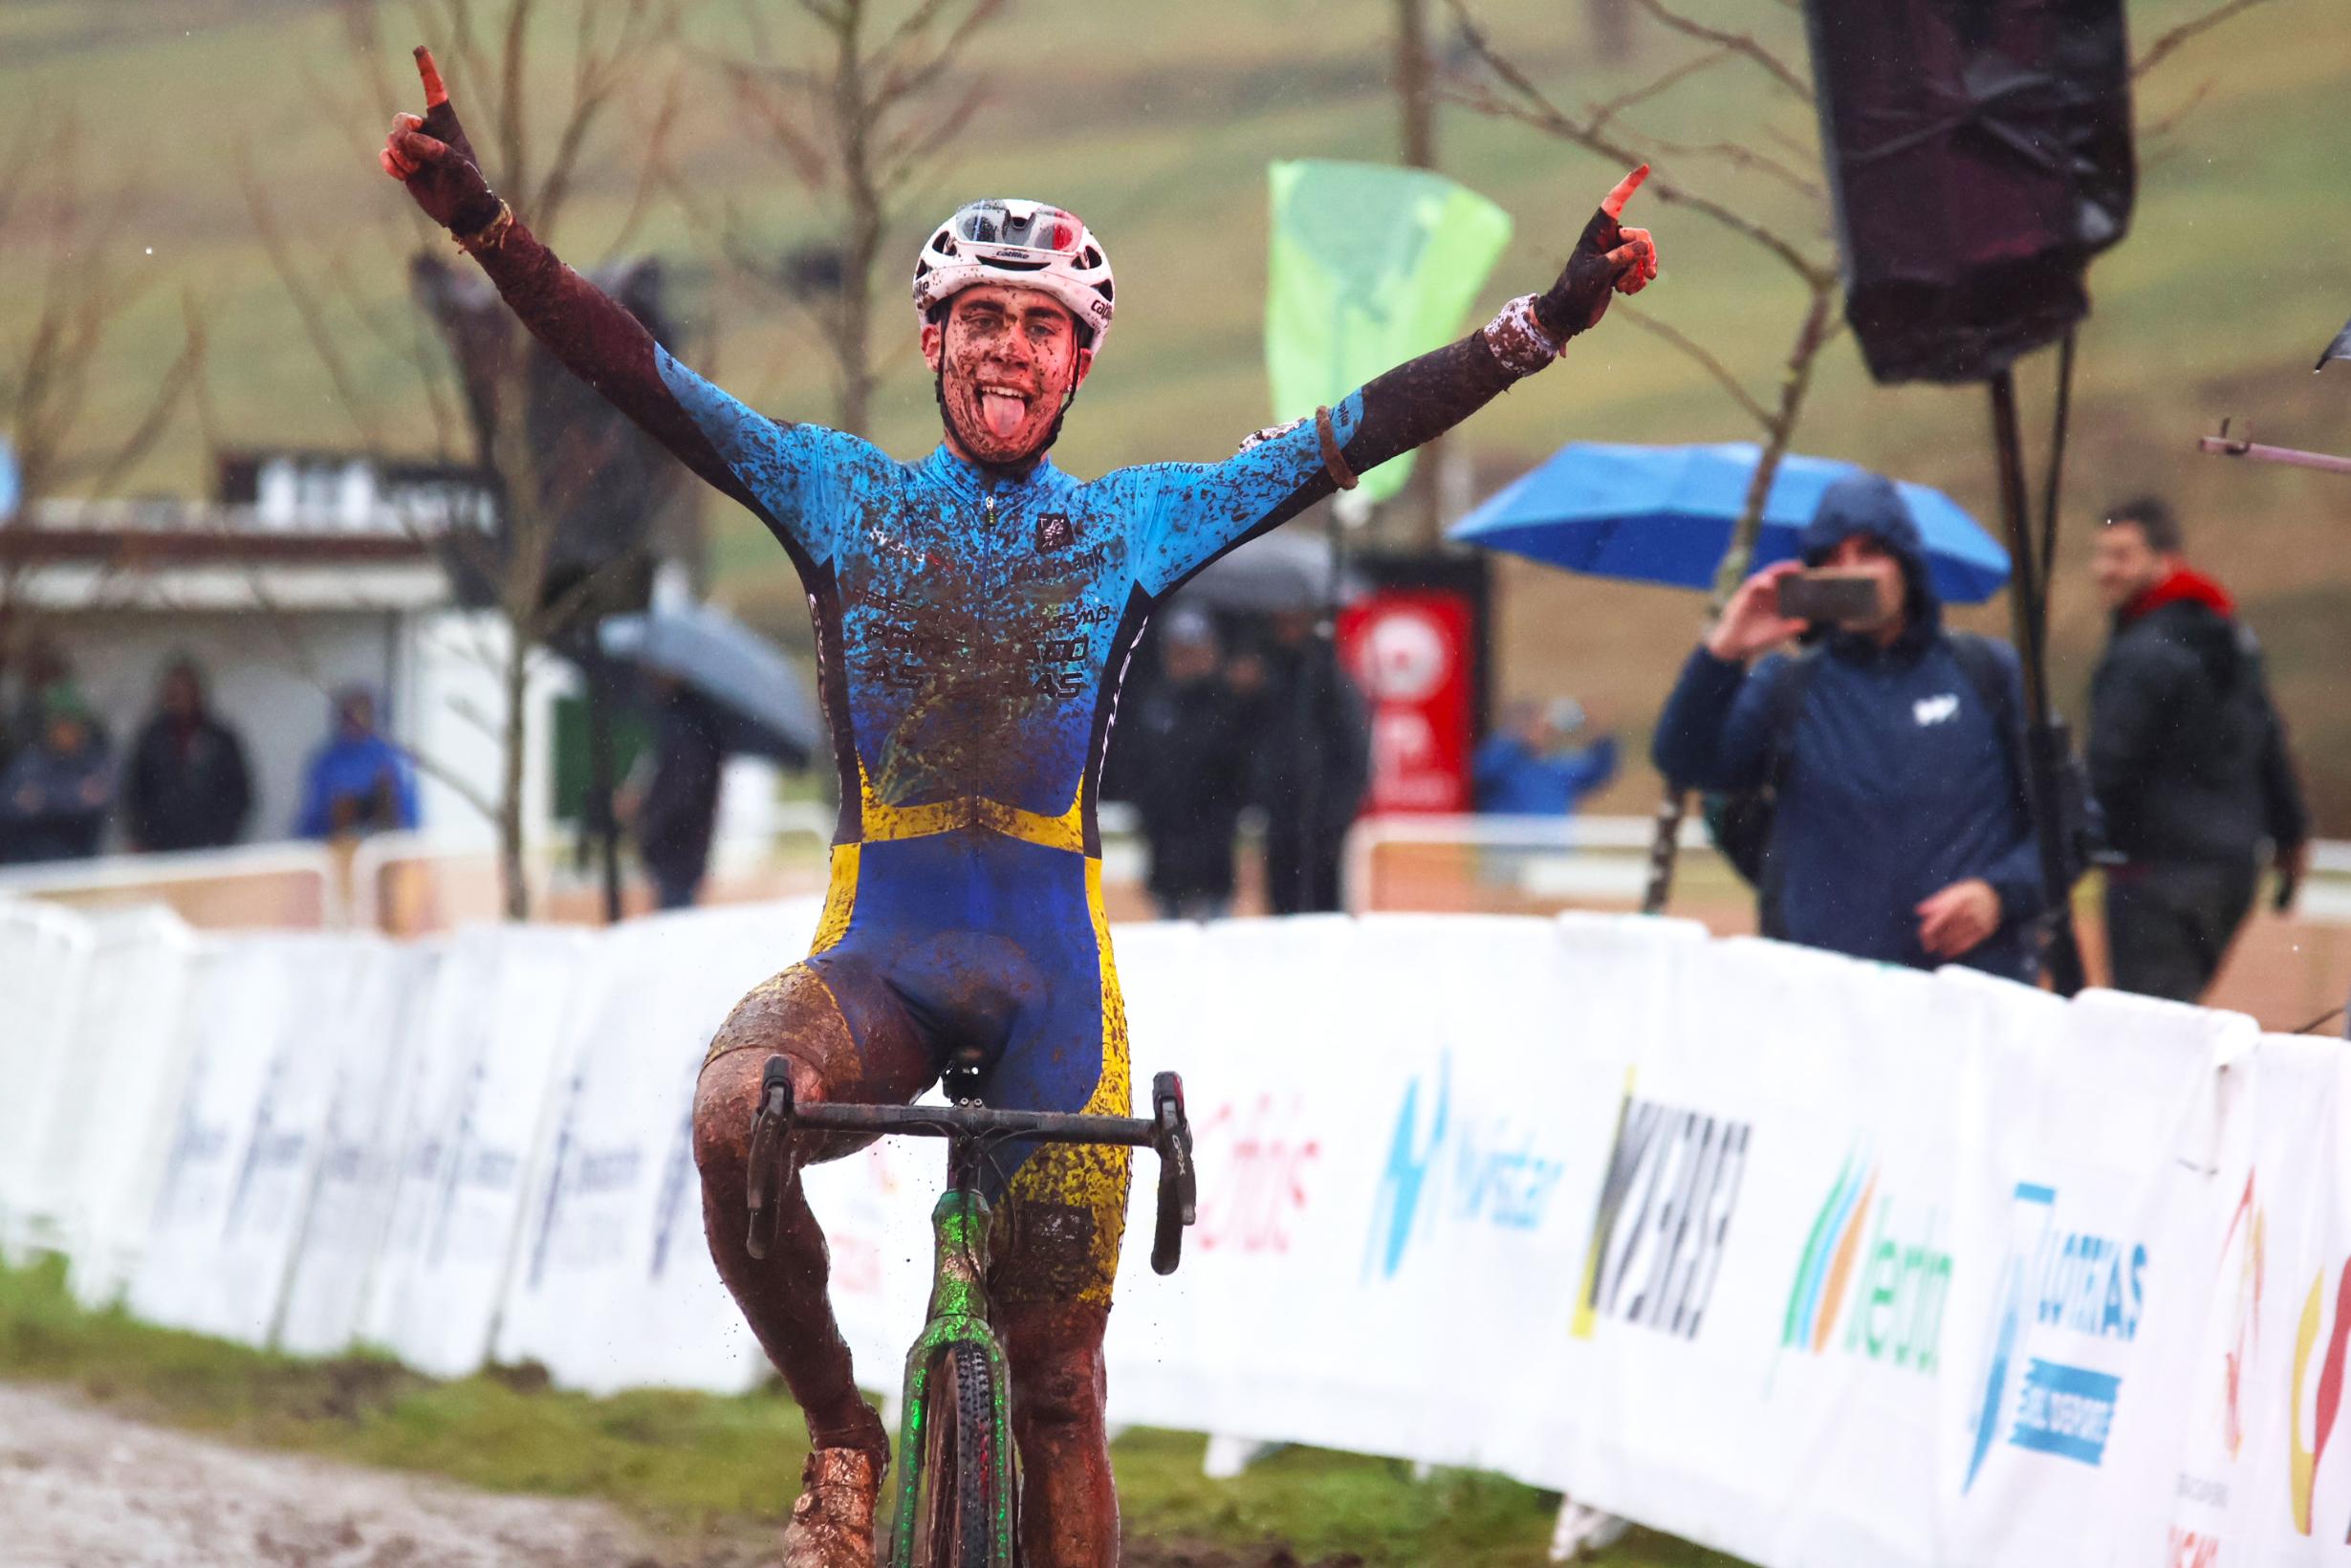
pixel 1272 723
pixel 184 781
pixel 1878 760
pixel 1873 764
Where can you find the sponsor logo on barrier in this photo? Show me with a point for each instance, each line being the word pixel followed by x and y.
pixel 2214 1434
pixel 2074 1289
pixel 677 1210
pixel 1665 1212
pixel 2317 1388
pixel 1867 1253
pixel 1262 1158
pixel 2191 1549
pixel 1458 1168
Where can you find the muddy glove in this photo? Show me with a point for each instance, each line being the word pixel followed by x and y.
pixel 433 157
pixel 1608 258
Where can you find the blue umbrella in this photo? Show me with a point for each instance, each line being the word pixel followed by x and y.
pixel 1664 515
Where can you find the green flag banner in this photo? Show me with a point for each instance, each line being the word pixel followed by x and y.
pixel 1369 266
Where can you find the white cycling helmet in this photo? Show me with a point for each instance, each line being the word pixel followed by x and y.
pixel 1025 245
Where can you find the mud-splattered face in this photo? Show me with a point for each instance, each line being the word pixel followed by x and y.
pixel 1007 358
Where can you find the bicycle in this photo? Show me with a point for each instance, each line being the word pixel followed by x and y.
pixel 957 1489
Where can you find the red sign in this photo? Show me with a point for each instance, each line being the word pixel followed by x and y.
pixel 1410 651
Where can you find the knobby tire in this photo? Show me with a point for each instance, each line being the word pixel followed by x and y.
pixel 959 1463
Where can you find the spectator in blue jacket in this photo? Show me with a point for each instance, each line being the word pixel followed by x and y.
pixel 358 782
pixel 1900 831
pixel 1527 768
pixel 55 793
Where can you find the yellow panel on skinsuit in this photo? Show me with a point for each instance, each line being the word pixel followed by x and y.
pixel 1089 1176
pixel 840 897
pixel 880 822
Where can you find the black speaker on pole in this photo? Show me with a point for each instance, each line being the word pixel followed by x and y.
pixel 1979 153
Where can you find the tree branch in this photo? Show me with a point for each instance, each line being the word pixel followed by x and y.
pixel 1599 115
pixel 1738 43
pixel 1538 111
pixel 1705 360
pixel 2169 43
pixel 1743 158
pixel 2158 130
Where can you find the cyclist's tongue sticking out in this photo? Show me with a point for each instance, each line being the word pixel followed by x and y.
pixel 1004 411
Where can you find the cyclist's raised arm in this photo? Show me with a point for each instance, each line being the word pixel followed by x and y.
pixel 1206 510
pixel 755 460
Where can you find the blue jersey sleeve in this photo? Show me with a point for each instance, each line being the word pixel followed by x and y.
pixel 792 473
pixel 1185 514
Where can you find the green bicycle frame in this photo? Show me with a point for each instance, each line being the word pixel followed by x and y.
pixel 958 1316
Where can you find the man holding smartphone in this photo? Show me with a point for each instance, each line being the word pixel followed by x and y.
pixel 1893 749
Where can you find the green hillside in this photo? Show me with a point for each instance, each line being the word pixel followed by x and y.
pixel 1156 121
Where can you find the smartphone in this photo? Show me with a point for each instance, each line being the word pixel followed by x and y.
pixel 1831 596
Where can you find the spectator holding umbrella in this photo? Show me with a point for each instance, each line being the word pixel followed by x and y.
pixel 55 795
pixel 1527 768
pixel 2188 758
pixel 186 786
pixel 675 811
pixel 358 782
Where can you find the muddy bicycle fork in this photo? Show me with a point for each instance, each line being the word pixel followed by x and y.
pixel 970 1520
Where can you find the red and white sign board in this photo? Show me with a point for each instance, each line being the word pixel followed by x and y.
pixel 1412 652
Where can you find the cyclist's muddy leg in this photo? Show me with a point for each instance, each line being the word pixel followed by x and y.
pixel 1069 1516
pixel 799 1016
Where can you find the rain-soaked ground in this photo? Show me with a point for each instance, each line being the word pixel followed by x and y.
pixel 86 1488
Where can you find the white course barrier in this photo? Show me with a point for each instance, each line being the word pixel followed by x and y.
pixel 111 1131
pixel 1815 1261
pixel 44 961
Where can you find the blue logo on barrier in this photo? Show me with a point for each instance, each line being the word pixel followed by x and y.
pixel 2082 1286
pixel 2065 1410
pixel 1441 1165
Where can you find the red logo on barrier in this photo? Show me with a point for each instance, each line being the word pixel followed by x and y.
pixel 1261 1175
pixel 2309 1442
pixel 2188 1549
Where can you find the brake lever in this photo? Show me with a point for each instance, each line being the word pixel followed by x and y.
pixel 763 1164
pixel 1179 1191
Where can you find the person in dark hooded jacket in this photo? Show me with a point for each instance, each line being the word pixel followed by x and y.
pixel 675 814
pixel 2188 758
pixel 1900 831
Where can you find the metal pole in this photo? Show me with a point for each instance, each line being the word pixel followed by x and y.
pixel 2220 445
pixel 2045 742
pixel 603 825
pixel 1663 847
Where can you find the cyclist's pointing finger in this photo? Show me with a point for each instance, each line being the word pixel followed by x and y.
pixel 435 94
pixel 1613 203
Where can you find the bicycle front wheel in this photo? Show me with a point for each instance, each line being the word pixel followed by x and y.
pixel 963 1513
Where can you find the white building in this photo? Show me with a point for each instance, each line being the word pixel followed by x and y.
pixel 323 581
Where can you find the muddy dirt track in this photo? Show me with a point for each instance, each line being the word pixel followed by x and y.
pixel 81 1487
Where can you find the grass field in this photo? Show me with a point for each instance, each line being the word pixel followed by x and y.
pixel 706 1473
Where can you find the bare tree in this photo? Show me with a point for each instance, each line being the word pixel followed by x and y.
pixel 859 131
pixel 465 361
pixel 1727 175
pixel 63 442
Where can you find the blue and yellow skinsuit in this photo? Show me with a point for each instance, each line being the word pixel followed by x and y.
pixel 972 628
